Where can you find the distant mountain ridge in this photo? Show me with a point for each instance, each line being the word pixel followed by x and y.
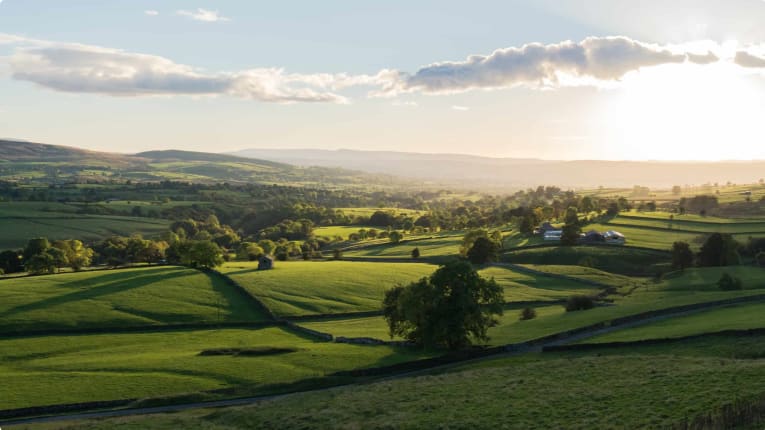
pixel 511 172
pixel 40 163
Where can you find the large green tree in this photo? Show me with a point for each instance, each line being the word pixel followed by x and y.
pixel 719 250
pixel 682 256
pixel 451 308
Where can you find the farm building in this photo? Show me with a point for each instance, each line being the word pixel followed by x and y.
pixel 552 235
pixel 592 236
pixel 544 228
pixel 614 238
pixel 265 263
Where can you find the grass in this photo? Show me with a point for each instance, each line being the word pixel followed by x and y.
pixel 691 223
pixel 321 287
pixel 521 286
pixel 21 221
pixel 374 327
pixel 341 230
pixel 588 274
pixel 367 212
pixel 705 278
pixel 564 390
pixel 683 290
pixel 68 369
pixel 438 246
pixel 729 318
pixel 614 259
pixel 116 298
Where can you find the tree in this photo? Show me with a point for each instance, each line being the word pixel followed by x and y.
pixel 395 236
pixel 484 250
pixel 718 250
pixel 202 254
pixel 76 255
pixel 36 246
pixel 729 283
pixel 677 190
pixel 451 308
pixel 40 263
pixel 416 253
pixel 11 262
pixel 682 256
pixel 572 229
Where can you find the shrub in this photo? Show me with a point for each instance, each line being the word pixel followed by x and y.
pixel 760 258
pixel 579 303
pixel 729 283
pixel 282 256
pixel 337 254
pixel 416 253
pixel 528 314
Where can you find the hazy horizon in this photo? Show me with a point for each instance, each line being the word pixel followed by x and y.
pixel 548 80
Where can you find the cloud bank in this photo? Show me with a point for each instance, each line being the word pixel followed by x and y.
pixel 593 59
pixel 78 68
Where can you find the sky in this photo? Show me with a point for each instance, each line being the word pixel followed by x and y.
pixel 551 79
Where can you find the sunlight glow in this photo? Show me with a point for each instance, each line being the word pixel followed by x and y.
pixel 686 112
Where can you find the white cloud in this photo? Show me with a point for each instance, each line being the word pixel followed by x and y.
pixel 592 60
pixel 749 59
pixel 203 15
pixel 79 68
pixel 151 12
pixel 405 103
pixel 460 108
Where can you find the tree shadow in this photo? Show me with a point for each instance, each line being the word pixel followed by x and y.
pixel 115 283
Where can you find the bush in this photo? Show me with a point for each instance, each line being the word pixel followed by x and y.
pixel 579 303
pixel 416 253
pixel 337 254
pixel 282 256
pixel 528 314
pixel 760 259
pixel 729 283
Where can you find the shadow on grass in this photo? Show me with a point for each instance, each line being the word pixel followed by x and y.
pixel 115 283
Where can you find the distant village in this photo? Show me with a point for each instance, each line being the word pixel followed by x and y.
pixel 551 233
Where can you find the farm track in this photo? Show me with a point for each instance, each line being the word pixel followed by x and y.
pixel 537 345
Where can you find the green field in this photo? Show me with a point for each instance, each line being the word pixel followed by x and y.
pixel 693 223
pixel 728 318
pixel 522 287
pixel 116 298
pixel 341 230
pixel 614 259
pixel 374 327
pixel 438 246
pixel 367 212
pixel 21 221
pixel 588 274
pixel 689 288
pixel 652 387
pixel 319 287
pixel 68 369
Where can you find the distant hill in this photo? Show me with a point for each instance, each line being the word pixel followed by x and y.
pixel 474 171
pixel 37 163
pixel 178 155
pixel 21 151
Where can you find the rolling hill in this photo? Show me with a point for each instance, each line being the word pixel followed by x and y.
pixel 37 163
pixel 458 169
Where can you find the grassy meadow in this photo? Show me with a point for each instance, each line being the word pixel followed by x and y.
pixel 614 259
pixel 613 389
pixel 68 369
pixel 21 221
pixel 321 287
pixel 116 298
pixel 729 318
pixel 437 246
